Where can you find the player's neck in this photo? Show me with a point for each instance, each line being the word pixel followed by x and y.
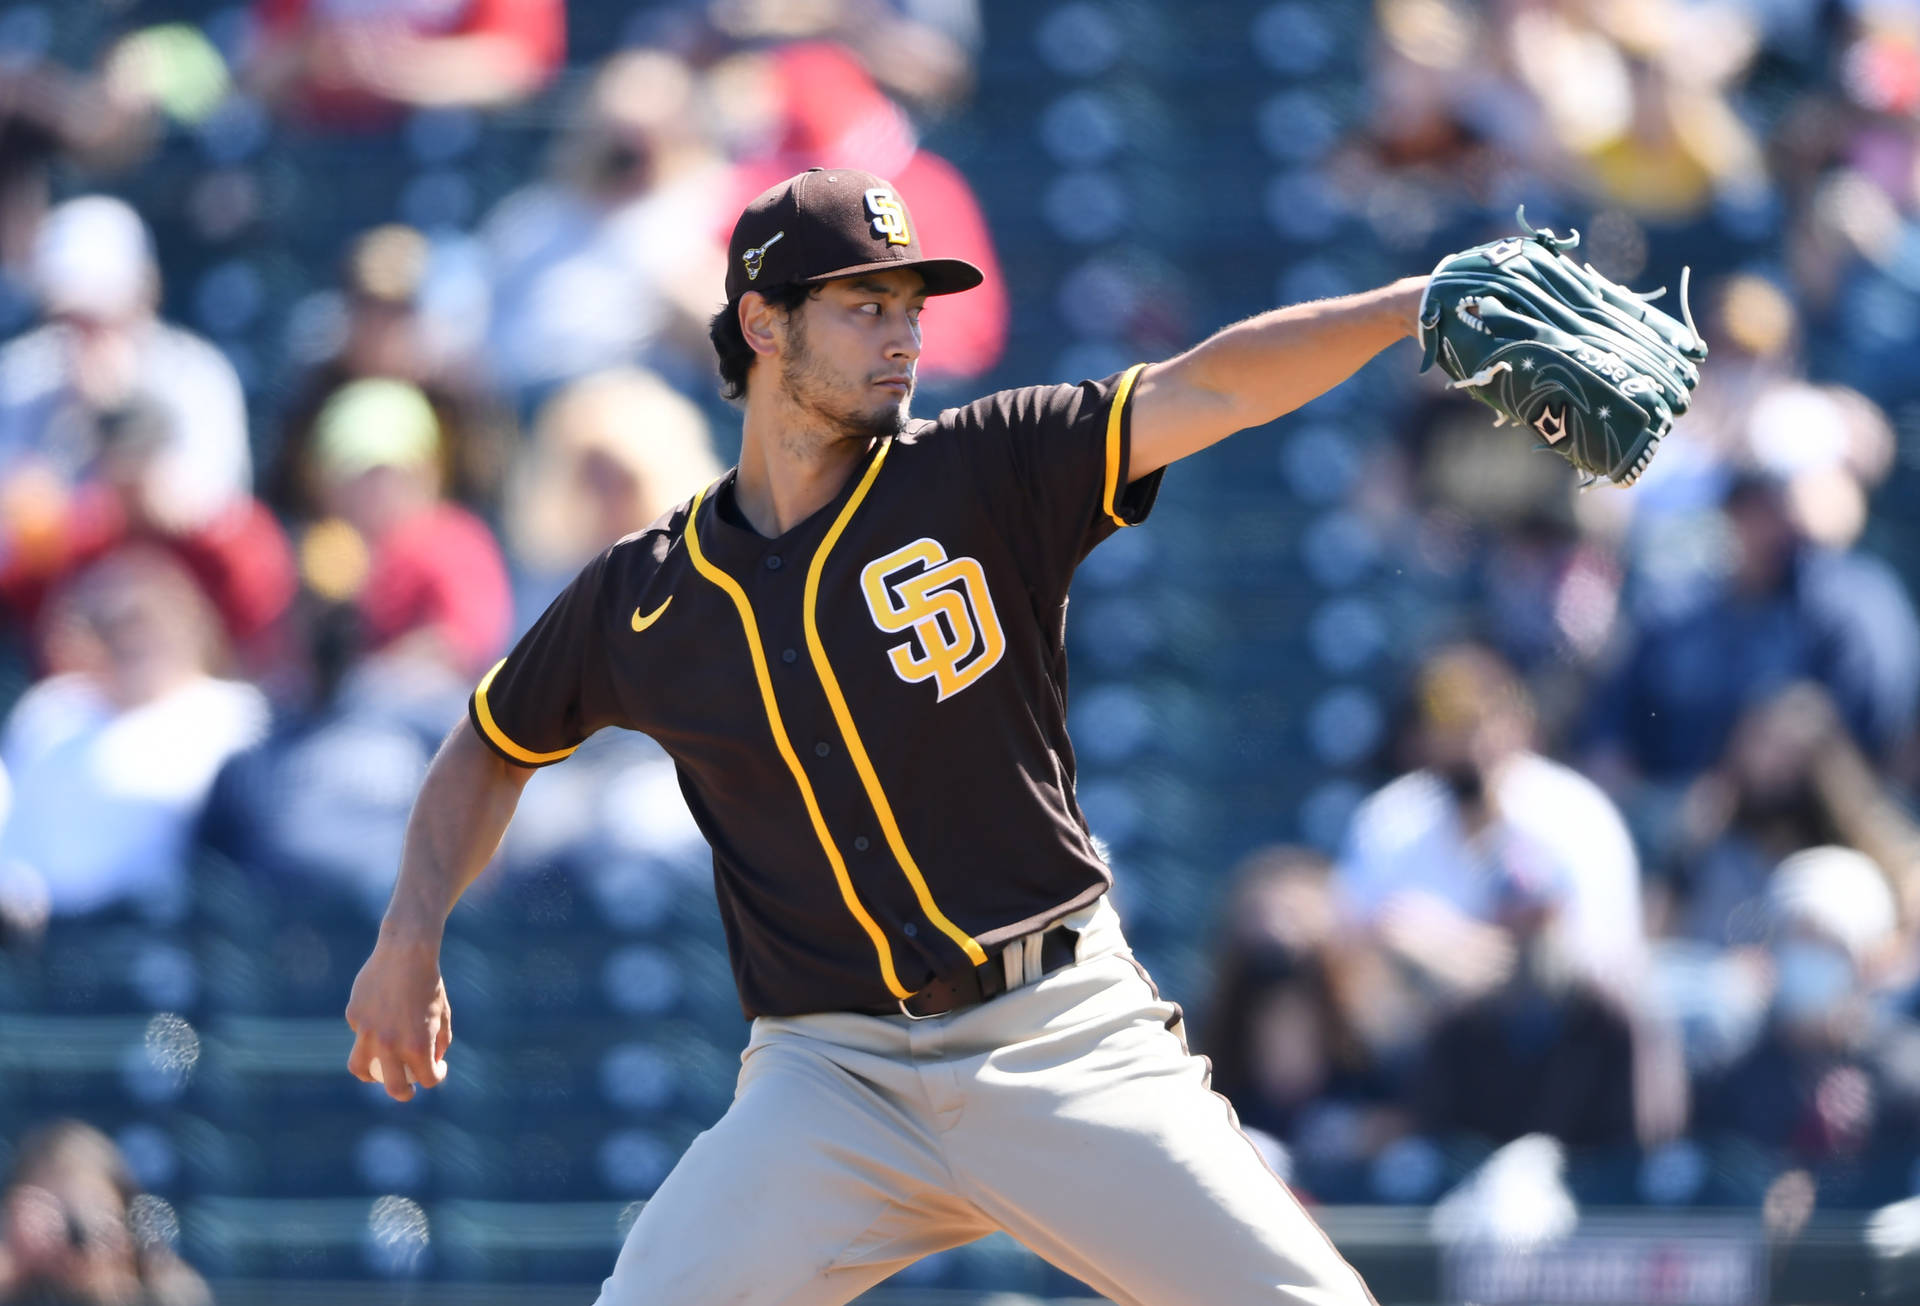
pixel 791 466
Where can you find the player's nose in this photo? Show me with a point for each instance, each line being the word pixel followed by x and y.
pixel 903 341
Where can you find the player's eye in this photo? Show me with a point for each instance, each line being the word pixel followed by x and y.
pixel 871 309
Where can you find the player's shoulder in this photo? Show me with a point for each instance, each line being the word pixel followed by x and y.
pixel 657 544
pixel 1018 408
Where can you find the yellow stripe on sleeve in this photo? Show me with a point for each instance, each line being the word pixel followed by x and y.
pixel 497 736
pixel 1116 414
pixel 857 750
pixel 780 741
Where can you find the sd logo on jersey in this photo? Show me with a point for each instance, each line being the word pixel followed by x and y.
pixel 944 603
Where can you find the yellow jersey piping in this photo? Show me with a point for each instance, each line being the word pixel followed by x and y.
pixel 733 591
pixel 497 736
pixel 1116 414
pixel 855 749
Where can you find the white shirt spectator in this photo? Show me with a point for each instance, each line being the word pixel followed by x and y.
pixel 203 463
pixel 104 357
pixel 578 288
pixel 1551 827
pixel 106 800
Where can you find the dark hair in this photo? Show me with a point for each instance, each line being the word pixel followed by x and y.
pixel 736 356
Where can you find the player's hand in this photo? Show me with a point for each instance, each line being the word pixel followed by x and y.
pixel 400 1017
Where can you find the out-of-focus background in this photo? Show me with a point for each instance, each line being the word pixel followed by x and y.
pixel 1540 870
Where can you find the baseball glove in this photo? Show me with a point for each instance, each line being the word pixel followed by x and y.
pixel 1591 367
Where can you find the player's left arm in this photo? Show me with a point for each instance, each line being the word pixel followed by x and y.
pixel 1262 368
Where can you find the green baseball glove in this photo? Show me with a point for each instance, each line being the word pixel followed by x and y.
pixel 1593 368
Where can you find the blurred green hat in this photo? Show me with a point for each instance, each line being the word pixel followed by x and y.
pixel 377 422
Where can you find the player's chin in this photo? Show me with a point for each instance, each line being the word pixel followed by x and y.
pixel 888 417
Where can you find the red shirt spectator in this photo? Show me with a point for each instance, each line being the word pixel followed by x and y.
pixel 439 574
pixel 356 62
pixel 240 558
pixel 434 582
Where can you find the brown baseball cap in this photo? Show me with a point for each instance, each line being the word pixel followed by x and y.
pixel 828 223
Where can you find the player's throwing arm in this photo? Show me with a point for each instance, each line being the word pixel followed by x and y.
pixel 401 1021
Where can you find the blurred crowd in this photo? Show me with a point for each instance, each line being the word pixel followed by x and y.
pixel 1642 871
pixel 1644 875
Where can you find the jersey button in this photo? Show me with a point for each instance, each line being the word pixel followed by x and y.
pixel 860 844
pixel 773 562
pixel 822 748
pixel 789 656
pixel 911 930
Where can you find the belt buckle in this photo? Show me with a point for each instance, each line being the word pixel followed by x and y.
pixel 996 966
pixel 935 982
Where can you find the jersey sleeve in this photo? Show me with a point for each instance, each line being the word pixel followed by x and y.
pixel 555 687
pixel 1050 462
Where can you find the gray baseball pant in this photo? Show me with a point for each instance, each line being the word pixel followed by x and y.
pixel 1068 1113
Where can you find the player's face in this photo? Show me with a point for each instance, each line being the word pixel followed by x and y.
pixel 850 351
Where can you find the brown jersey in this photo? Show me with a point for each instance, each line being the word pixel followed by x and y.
pixel 868 713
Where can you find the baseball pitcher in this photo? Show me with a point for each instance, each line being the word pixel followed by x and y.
pixel 852 646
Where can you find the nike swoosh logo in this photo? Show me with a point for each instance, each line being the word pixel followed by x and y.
pixel 640 623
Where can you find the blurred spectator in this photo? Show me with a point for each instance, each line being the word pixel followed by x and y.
pixel 1828 445
pixel 1547 1051
pixel 102 353
pixel 49 114
pixel 1740 819
pixel 112 755
pixel 1429 857
pixel 357 63
pixel 1510 540
pixel 1757 346
pixel 814 105
pixel 1833 1080
pixel 239 555
pixel 1632 99
pixel 1442 141
pixel 1845 157
pixel 1308 1030
pixel 618 257
pixel 1792 778
pixel 385 336
pixel 921 50
pixel 610 454
pixel 424 575
pixel 1781 609
pixel 323 800
pixel 79 1232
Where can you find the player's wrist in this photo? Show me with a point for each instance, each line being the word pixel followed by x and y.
pixel 1406 297
pixel 409 927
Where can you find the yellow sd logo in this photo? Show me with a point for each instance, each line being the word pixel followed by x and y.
pixel 889 218
pixel 944 603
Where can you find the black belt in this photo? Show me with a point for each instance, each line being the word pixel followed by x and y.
pixel 976 984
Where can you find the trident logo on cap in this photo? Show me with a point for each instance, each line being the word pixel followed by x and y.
pixel 753 257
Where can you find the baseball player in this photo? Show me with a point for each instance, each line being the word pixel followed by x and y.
pixel 852 646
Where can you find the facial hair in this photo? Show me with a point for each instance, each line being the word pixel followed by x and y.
pixel 810 385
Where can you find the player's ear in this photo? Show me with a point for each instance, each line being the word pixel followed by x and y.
pixel 761 324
